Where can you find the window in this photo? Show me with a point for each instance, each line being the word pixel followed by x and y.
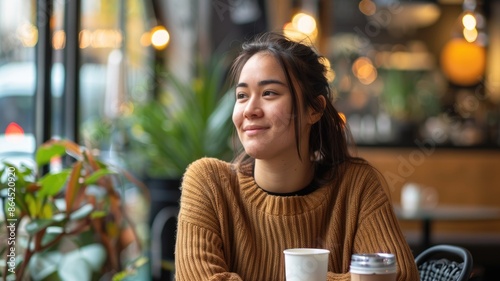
pixel 112 63
pixel 17 84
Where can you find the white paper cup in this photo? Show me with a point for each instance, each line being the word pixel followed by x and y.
pixel 306 264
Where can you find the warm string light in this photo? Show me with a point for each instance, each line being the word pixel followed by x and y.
pixel 302 27
pixel 367 7
pixel 472 22
pixel 364 70
pixel 463 58
pixel 158 37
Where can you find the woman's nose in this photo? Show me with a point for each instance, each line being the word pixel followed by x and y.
pixel 253 109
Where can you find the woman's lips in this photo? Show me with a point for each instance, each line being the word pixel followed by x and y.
pixel 253 129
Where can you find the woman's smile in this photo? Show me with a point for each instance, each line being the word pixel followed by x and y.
pixel 252 130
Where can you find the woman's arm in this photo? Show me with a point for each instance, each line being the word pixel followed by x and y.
pixel 379 229
pixel 198 255
pixel 199 251
pixel 380 232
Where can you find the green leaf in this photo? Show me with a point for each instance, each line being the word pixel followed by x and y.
pixel 92 179
pixel 133 271
pixel 54 230
pixel 94 254
pixel 97 214
pixel 43 266
pixel 21 205
pixel 73 265
pixel 81 213
pixel 52 233
pixel 82 262
pixel 46 211
pixel 46 152
pixel 31 205
pixel 54 276
pixel 59 217
pixel 53 183
pixel 36 225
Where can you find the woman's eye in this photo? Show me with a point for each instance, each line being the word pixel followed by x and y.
pixel 240 95
pixel 268 93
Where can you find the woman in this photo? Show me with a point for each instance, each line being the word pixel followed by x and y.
pixel 294 185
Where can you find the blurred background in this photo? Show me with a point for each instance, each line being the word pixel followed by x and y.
pixel 142 83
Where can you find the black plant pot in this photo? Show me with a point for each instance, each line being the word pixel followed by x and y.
pixel 165 195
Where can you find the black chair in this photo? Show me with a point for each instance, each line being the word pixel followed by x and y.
pixel 444 263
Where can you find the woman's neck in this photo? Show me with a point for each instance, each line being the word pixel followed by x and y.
pixel 284 176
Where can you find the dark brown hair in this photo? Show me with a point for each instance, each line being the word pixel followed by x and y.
pixel 301 63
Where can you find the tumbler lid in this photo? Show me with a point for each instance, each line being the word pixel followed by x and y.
pixel 378 263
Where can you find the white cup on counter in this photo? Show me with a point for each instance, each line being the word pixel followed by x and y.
pixel 415 197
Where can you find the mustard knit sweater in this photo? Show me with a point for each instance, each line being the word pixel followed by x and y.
pixel 230 229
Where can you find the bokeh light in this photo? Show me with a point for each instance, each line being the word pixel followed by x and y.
pixel 364 70
pixel 462 62
pixel 302 27
pixel 470 34
pixel 160 37
pixel 367 7
pixel 469 21
pixel 145 39
pixel 304 23
pixel 27 34
pixel 59 39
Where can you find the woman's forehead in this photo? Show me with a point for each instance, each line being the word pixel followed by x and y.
pixel 262 66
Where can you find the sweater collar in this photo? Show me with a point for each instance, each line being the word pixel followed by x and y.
pixel 291 204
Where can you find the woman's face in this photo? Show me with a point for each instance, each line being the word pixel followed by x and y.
pixel 262 113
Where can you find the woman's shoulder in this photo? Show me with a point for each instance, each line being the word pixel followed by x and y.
pixel 360 165
pixel 365 178
pixel 210 165
pixel 213 179
pixel 206 172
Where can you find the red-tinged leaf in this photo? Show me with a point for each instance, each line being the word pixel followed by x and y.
pixel 95 166
pixel 72 148
pixel 92 161
pixel 33 186
pixel 73 186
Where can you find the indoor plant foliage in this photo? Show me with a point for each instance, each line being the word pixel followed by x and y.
pixel 187 121
pixel 69 223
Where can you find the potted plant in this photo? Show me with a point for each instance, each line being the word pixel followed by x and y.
pixel 186 121
pixel 71 222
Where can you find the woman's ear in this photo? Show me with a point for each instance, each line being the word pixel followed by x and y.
pixel 314 115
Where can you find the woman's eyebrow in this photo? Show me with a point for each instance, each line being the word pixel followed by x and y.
pixel 242 85
pixel 261 83
pixel 271 81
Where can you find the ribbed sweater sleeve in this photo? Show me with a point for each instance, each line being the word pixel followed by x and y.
pixel 230 229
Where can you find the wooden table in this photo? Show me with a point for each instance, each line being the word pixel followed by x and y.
pixel 446 213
